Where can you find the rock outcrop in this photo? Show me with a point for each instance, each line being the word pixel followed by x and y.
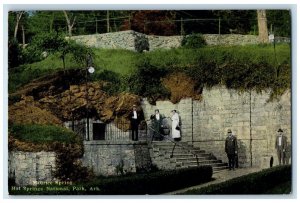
pixel 73 103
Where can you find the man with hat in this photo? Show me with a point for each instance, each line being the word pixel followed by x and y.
pixel 135 119
pixel 231 149
pixel 281 146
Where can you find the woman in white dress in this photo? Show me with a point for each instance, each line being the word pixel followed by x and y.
pixel 175 125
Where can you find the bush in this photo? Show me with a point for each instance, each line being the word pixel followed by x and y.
pixel 114 79
pixel 41 134
pixel 193 41
pixel 146 82
pixel 138 184
pixel 255 183
pixel 14 54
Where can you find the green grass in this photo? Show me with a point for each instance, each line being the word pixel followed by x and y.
pixel 40 134
pixel 125 63
pixel 119 61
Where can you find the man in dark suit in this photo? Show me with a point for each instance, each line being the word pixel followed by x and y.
pixel 231 149
pixel 157 124
pixel 281 147
pixel 135 119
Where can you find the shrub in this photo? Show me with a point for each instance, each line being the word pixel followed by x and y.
pixel 255 183
pixel 194 40
pixel 146 82
pixel 41 134
pixel 14 53
pixel 113 78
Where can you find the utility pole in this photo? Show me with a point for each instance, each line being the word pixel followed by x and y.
pixel 181 27
pixel 262 26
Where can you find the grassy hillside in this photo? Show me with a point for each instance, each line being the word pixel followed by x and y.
pixel 236 67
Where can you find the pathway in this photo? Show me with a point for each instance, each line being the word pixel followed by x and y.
pixel 219 177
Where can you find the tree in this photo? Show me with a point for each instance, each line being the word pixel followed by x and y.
pixel 18 18
pixel 70 22
pixel 279 22
pixel 152 22
pixel 262 26
pixel 55 43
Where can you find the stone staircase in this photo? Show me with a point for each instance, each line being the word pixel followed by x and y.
pixel 184 156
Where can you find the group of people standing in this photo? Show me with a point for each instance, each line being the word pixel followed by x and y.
pixel 160 128
pixel 158 124
pixel 281 146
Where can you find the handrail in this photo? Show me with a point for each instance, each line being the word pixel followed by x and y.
pixel 175 143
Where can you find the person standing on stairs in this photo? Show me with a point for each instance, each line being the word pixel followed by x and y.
pixel 231 149
pixel 135 119
pixel 175 125
pixel 157 124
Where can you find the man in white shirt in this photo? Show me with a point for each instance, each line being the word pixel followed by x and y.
pixel 281 147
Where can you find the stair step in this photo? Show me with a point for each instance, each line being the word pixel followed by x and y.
pixel 201 162
pixel 179 149
pixel 216 166
pixel 176 147
pixel 190 159
pixel 187 152
pixel 184 155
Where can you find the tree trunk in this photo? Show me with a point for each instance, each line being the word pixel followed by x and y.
pixel 262 26
pixel 19 16
pixel 23 36
pixel 70 23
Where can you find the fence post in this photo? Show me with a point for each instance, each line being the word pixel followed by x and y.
pixel 96 26
pixel 181 27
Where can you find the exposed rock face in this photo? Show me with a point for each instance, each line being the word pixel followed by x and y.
pixel 28 111
pixel 181 86
pixel 73 103
pixel 51 84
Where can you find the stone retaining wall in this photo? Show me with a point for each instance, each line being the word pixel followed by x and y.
pixel 29 167
pixel 129 40
pixel 139 42
pixel 112 157
pixel 221 109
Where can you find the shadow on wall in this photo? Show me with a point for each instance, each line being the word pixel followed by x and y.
pixel 242 154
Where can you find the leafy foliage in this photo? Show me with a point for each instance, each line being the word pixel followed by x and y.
pixel 15 57
pixel 32 133
pixel 146 82
pixel 152 22
pixel 193 41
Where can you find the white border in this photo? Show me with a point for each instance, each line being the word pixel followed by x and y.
pixel 151 4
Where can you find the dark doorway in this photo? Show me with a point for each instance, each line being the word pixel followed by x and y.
pixel 99 131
